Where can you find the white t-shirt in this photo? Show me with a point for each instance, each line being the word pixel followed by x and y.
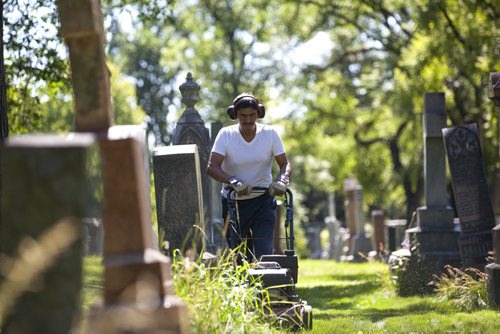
pixel 248 161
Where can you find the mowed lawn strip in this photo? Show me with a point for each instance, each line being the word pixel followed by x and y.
pixel 358 298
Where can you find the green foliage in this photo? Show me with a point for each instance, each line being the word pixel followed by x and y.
pixel 409 274
pixel 219 296
pixel 465 289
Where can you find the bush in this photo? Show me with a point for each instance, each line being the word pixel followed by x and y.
pixel 465 289
pixel 409 274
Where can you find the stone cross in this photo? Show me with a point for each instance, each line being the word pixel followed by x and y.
pixel 436 234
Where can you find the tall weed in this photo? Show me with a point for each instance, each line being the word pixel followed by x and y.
pixel 465 289
pixel 219 295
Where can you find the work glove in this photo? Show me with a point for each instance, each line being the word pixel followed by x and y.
pixel 241 187
pixel 278 186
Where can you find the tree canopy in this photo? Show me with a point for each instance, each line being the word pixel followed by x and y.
pixel 355 112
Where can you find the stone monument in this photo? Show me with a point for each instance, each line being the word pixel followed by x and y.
pixel 470 189
pixel 190 129
pixel 435 234
pixel 360 243
pixel 44 181
pixel 378 220
pixel 137 294
pixel 179 200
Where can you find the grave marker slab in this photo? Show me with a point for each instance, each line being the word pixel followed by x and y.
pixel 472 199
pixel 435 234
pixel 179 198
pixel 44 180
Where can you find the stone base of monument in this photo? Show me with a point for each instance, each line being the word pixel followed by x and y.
pixel 170 317
pixel 475 248
pixel 493 283
pixel 361 246
pixel 438 247
pixel 130 276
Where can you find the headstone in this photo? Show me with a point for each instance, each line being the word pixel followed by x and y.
pixel 378 220
pixel 471 194
pixel 216 233
pixel 494 95
pixel 493 271
pixel 314 241
pixel 137 294
pixel 84 34
pixel 179 199
pixel 334 237
pixel 435 234
pixel 350 186
pixel 360 243
pixel 44 181
pixel 190 129
pixel 395 233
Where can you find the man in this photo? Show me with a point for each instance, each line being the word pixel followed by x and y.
pixel 242 158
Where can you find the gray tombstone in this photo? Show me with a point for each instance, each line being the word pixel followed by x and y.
pixel 179 195
pixel 435 234
pixel 190 129
pixel 360 242
pixel 44 181
pixel 378 219
pixel 470 190
pixel 394 233
pixel 216 233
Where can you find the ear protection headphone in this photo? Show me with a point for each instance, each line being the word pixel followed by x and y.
pixel 261 111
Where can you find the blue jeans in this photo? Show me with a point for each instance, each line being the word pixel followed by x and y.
pixel 256 223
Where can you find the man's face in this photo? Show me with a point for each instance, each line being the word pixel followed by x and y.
pixel 246 117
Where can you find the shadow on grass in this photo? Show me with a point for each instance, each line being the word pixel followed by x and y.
pixel 333 297
pixel 376 314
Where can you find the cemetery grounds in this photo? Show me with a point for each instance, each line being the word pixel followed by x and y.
pixel 356 298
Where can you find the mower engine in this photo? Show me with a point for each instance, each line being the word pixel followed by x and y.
pixel 280 285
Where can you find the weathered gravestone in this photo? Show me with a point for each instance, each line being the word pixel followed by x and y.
pixel 494 95
pixel 360 243
pixel 44 181
pixel 137 294
pixel 136 288
pixel 378 220
pixel 190 129
pixel 472 200
pixel 335 235
pixel 216 220
pixel 436 234
pixel 83 30
pixel 394 233
pixel 179 200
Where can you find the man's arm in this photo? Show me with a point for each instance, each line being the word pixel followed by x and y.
pixel 214 168
pixel 285 167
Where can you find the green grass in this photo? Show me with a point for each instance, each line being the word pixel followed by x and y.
pixel 346 298
pixel 358 298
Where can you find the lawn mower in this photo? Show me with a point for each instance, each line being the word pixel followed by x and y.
pixel 278 273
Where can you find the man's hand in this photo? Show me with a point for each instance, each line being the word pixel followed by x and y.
pixel 278 186
pixel 241 187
